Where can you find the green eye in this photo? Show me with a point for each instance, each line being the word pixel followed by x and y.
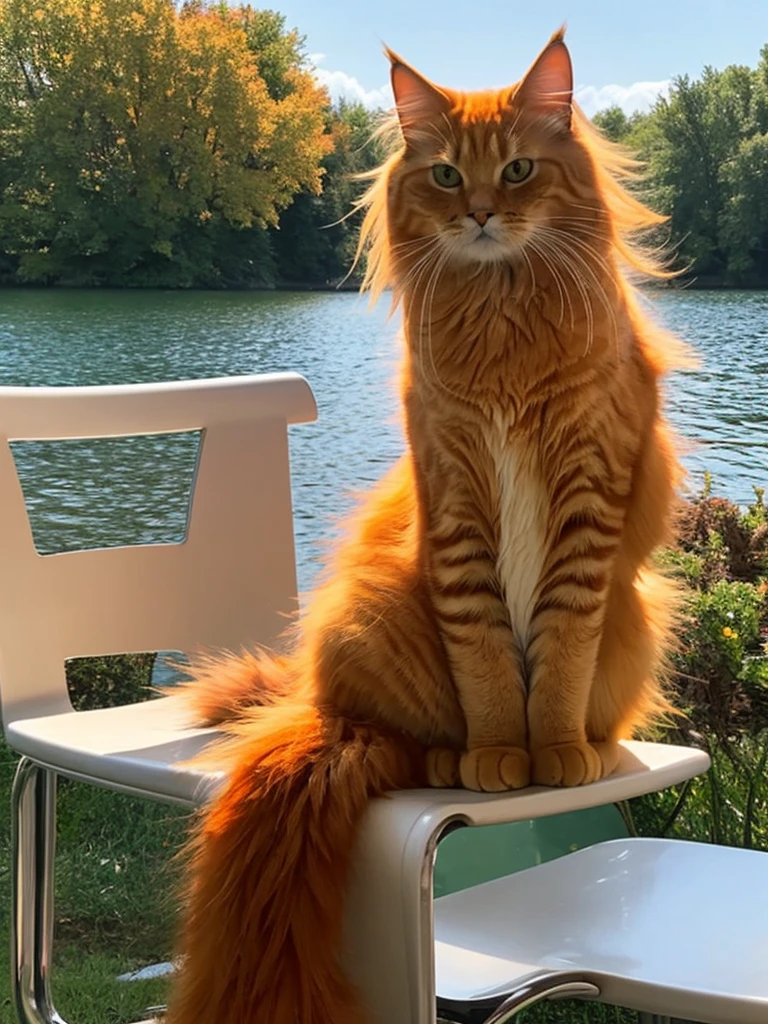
pixel 517 171
pixel 446 176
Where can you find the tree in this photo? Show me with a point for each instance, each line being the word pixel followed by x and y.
pixel 151 146
pixel 318 234
pixel 704 147
pixel 744 220
pixel 613 123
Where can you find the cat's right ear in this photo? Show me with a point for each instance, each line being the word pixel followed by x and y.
pixel 417 100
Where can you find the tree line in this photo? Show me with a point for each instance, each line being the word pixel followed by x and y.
pixel 153 143
pixel 145 143
pixel 705 149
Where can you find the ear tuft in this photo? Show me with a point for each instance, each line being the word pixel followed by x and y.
pixel 548 85
pixel 558 36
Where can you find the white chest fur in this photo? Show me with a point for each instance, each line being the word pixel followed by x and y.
pixel 523 507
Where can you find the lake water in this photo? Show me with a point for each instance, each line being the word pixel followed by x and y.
pixel 348 353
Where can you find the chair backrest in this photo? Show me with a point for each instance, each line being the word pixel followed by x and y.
pixel 229 583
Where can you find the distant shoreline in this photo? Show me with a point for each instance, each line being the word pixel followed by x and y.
pixel 692 283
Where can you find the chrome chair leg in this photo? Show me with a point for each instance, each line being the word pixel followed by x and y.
pixel 33 847
pixel 549 985
pixel 533 989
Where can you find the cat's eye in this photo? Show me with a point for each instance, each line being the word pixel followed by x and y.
pixel 517 171
pixel 446 176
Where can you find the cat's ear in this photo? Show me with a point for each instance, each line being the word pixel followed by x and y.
pixel 548 85
pixel 417 100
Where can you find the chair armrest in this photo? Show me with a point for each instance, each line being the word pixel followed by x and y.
pixel 390 944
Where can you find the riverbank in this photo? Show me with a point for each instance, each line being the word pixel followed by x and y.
pixel 682 283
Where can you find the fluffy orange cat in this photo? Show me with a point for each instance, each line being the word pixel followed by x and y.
pixel 491 618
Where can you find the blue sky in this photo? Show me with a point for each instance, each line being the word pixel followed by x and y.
pixel 622 51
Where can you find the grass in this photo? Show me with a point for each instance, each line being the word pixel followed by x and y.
pixel 116 879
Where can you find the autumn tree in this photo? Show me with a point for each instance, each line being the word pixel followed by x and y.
pixel 318 233
pixel 143 144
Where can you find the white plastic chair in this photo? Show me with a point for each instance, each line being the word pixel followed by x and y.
pixel 227 584
pixel 230 582
pixel 663 927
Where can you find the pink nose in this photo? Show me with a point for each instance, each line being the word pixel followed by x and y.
pixel 481 216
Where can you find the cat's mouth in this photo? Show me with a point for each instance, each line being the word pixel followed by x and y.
pixel 484 248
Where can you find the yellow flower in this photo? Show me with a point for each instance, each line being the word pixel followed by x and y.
pixel 730 634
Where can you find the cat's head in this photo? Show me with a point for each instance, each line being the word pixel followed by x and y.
pixel 515 177
pixel 488 174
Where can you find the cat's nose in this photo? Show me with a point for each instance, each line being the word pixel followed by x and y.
pixel 481 216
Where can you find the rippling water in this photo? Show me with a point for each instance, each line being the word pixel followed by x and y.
pixel 348 353
pixel 722 407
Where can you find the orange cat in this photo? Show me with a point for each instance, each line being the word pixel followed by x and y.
pixel 491 617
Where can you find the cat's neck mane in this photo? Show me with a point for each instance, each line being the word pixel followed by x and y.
pixel 494 314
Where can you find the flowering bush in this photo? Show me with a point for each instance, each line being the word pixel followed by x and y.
pixel 719 677
pixel 721 664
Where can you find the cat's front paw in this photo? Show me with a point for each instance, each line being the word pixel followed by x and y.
pixel 442 765
pixel 495 769
pixel 573 764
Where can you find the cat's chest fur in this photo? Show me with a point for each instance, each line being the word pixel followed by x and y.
pixel 522 512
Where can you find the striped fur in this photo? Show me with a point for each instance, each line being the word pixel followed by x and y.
pixel 492 615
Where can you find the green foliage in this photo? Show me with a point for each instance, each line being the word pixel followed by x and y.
pixel 720 677
pixel 318 233
pixel 145 144
pixel 615 124
pixel 706 150
pixel 722 658
pixel 109 682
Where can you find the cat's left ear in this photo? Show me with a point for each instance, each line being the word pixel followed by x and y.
pixel 418 101
pixel 548 85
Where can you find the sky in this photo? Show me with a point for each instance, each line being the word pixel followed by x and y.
pixel 623 52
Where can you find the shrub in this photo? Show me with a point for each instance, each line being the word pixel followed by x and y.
pixel 720 676
pixel 110 681
pixel 721 665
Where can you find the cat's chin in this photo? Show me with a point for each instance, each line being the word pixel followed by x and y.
pixel 483 251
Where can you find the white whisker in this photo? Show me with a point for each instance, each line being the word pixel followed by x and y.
pixel 581 253
pixel 565 260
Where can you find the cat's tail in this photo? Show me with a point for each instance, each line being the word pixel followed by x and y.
pixel 219 690
pixel 262 933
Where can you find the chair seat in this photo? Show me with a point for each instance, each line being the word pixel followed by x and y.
pixel 650 921
pixel 143 749
pixel 137 748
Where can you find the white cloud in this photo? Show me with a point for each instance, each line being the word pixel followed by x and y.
pixel 591 98
pixel 640 96
pixel 343 86
pixel 340 85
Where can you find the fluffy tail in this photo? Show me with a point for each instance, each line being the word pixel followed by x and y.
pixel 222 689
pixel 263 931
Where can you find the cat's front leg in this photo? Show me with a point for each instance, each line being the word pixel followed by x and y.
pixel 485 664
pixel 564 639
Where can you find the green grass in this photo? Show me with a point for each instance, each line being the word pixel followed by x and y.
pixel 115 881
pixel 117 875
